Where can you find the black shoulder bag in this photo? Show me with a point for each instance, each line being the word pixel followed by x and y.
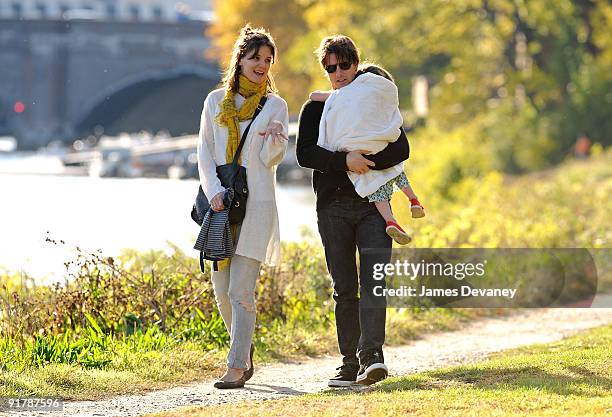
pixel 232 175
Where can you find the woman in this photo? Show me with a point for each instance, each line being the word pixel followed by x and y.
pixel 226 114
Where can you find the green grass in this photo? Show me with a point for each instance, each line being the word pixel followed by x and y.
pixel 571 377
pixel 130 374
pixel 147 321
pixel 125 366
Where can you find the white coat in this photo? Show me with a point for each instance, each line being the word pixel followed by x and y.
pixel 259 233
pixel 363 115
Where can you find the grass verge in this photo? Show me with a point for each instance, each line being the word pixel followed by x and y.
pixel 138 371
pixel 570 377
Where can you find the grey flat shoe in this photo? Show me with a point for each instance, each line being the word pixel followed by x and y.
pixel 248 374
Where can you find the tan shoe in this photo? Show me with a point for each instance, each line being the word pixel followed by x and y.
pixel 416 208
pixel 397 233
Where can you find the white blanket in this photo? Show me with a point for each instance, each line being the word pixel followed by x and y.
pixel 364 115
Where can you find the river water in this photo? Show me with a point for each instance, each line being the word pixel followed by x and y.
pixel 110 214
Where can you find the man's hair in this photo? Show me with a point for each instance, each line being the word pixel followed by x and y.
pixel 248 42
pixel 374 69
pixel 342 46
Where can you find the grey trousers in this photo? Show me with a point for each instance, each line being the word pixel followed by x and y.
pixel 235 295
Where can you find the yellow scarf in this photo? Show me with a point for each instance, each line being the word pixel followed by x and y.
pixel 231 117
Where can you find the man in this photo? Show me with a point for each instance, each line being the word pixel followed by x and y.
pixel 348 222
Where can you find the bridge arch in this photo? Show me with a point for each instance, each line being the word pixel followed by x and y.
pixel 153 100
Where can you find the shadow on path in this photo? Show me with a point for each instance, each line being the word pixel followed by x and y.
pixel 279 389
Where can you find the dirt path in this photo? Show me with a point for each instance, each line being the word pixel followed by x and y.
pixel 468 345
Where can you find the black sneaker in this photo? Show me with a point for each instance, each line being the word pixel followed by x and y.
pixel 345 377
pixel 372 369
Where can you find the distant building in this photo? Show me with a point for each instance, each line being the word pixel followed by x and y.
pixel 122 10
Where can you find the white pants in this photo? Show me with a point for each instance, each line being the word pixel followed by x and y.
pixel 235 295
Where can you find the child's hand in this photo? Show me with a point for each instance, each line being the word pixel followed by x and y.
pixel 319 95
pixel 275 130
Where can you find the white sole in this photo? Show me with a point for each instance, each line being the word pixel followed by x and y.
pixel 340 384
pixel 374 373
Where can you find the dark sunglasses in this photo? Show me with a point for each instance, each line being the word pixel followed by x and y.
pixel 343 66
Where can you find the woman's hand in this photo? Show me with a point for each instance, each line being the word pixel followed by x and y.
pixel 275 130
pixel 217 202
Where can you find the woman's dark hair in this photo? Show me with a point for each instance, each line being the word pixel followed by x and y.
pixel 342 46
pixel 249 42
pixel 374 69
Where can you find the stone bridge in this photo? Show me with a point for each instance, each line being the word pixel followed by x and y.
pixel 61 80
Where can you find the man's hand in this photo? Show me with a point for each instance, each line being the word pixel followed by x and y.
pixel 217 202
pixel 355 162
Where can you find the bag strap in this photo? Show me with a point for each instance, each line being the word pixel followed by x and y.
pixel 262 102
pixel 215 266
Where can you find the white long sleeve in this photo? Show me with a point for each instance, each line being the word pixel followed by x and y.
pixel 206 164
pixel 272 154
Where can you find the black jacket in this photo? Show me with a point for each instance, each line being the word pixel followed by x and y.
pixel 329 177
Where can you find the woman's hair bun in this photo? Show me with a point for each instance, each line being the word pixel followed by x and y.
pixel 247 29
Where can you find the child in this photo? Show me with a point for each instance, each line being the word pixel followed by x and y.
pixel 372 106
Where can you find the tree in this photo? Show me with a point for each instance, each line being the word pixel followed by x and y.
pixel 529 70
pixel 527 76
